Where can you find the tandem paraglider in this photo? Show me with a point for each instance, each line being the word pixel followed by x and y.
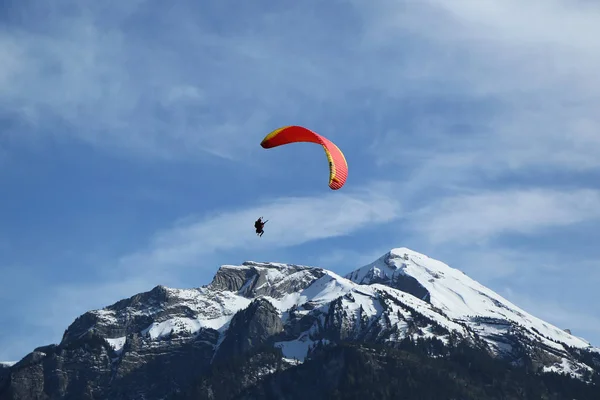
pixel 338 167
pixel 259 224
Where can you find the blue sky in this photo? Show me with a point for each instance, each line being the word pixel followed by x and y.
pixel 130 156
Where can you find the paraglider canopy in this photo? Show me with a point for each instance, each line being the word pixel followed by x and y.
pixel 338 167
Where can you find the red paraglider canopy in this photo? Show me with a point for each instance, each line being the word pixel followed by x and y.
pixel 338 167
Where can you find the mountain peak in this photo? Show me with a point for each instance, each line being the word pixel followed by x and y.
pixel 455 294
pixel 401 251
pixel 389 270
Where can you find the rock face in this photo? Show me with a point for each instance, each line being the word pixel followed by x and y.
pixel 250 329
pixel 265 279
pixel 266 319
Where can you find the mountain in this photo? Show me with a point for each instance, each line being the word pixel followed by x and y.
pixel 457 298
pixel 4 368
pixel 260 328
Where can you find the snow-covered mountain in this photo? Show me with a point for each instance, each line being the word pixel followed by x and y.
pixel 460 299
pixel 401 295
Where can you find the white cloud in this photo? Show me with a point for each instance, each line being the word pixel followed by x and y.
pixel 533 22
pixel 88 78
pixel 493 35
pixel 475 218
pixel 527 72
pixel 136 90
pixel 291 221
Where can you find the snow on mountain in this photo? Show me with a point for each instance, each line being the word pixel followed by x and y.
pixel 458 296
pixel 7 364
pixel 463 300
pixel 402 294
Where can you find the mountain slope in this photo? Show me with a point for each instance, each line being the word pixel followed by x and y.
pixel 157 342
pixel 358 371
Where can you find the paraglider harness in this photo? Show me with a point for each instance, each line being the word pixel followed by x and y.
pixel 259 224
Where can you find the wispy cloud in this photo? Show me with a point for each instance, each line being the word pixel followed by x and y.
pixel 496 87
pixel 117 83
pixel 292 221
pixel 481 39
pixel 166 81
pixel 111 79
pixel 478 217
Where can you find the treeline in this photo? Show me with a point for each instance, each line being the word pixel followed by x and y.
pixel 412 369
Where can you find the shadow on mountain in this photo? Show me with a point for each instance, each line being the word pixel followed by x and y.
pixel 425 369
